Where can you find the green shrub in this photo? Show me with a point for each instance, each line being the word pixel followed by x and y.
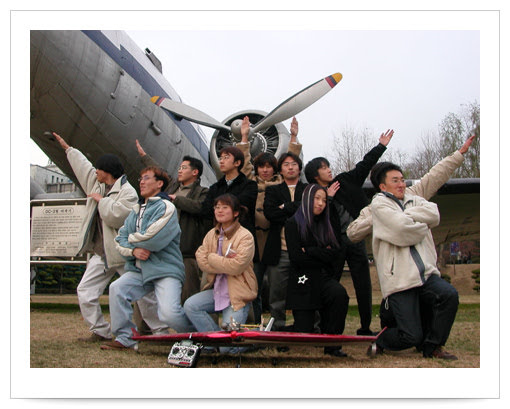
pixel 475 275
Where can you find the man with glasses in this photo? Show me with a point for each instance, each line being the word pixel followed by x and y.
pixel 149 242
pixel 111 198
pixel 281 202
pixel 187 195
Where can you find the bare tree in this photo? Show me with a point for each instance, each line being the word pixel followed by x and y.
pixel 351 145
pixel 453 130
pixel 349 148
pixel 426 156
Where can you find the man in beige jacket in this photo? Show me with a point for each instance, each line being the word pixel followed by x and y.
pixel 406 259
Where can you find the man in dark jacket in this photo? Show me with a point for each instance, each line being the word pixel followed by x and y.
pixel 236 183
pixel 187 195
pixel 280 203
pixel 347 199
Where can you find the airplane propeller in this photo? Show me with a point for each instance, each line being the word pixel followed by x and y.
pixel 287 109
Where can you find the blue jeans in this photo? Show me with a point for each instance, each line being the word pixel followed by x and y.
pixel 129 288
pixel 199 306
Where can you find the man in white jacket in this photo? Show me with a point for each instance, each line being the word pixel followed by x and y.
pixel 111 198
pixel 406 259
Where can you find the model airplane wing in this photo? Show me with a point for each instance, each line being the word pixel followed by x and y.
pixel 251 337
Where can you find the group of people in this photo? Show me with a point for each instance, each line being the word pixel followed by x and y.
pixel 186 253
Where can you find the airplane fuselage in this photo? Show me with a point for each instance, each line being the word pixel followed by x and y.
pixel 94 89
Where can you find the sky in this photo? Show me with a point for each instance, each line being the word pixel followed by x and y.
pixel 406 80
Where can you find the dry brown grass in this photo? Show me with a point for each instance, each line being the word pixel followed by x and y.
pixel 54 341
pixel 54 344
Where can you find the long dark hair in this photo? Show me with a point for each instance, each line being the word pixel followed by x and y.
pixel 310 225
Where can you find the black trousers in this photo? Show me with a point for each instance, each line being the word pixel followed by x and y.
pixel 259 270
pixel 439 298
pixel 356 256
pixel 333 310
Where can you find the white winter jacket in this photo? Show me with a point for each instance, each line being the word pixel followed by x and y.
pixel 396 231
pixel 426 187
pixel 113 208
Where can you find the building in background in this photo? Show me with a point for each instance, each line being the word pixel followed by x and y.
pixel 51 179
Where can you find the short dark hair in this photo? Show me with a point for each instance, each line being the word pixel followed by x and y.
pixel 312 168
pixel 159 174
pixel 379 171
pixel 236 153
pixel 265 158
pixel 194 164
pixel 287 155
pixel 110 163
pixel 233 201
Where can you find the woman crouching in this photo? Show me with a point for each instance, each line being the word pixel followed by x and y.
pixel 314 253
pixel 226 256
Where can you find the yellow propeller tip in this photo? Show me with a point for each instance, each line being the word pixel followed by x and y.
pixel 154 99
pixel 337 77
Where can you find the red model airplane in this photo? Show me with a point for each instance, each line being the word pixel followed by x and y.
pixel 186 346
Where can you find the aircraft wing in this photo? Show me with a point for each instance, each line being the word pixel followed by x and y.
pixel 459 205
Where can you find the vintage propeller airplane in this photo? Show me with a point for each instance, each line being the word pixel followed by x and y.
pixel 97 88
pixel 101 92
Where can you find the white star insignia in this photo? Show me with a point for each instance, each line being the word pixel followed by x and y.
pixel 302 279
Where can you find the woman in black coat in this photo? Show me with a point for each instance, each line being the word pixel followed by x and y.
pixel 314 253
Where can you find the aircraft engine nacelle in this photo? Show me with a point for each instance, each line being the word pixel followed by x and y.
pixel 275 139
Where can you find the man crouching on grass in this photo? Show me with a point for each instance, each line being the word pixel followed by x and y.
pixel 149 241
pixel 405 257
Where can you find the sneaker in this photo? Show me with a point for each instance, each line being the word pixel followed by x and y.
pixel 94 338
pixel 116 345
pixel 375 350
pixel 335 351
pixel 440 353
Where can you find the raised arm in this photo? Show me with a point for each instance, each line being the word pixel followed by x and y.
pixel 439 174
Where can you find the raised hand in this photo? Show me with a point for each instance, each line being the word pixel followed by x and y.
pixel 333 188
pixel 245 129
pixel 464 148
pixel 141 152
pixel 385 138
pixel 294 128
pixel 61 141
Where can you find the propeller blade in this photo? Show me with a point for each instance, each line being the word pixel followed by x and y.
pixel 298 102
pixel 189 113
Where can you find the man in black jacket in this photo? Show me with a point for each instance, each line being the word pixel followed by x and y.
pixel 280 203
pixel 347 199
pixel 236 183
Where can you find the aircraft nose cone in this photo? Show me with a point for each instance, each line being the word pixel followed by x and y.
pixel 236 126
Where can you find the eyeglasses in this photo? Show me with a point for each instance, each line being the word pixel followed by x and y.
pixel 145 178
pixel 224 157
pixel 183 167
